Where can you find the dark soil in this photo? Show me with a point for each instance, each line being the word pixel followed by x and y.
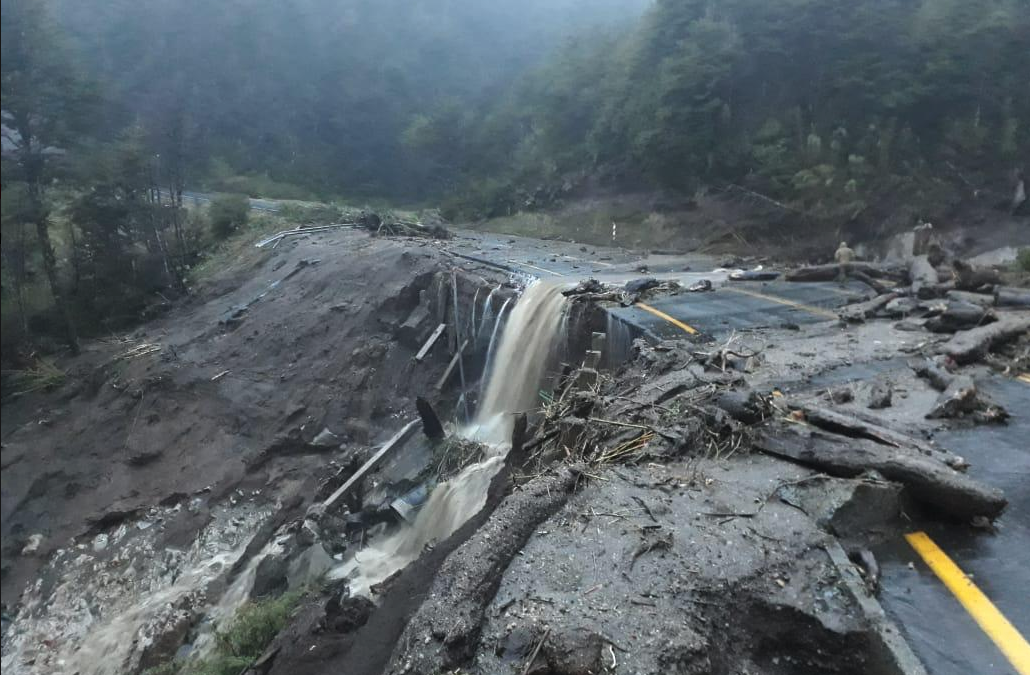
pixel 224 393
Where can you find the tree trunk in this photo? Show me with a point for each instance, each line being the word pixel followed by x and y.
pixel 927 479
pixel 830 272
pixel 863 310
pixel 31 158
pixel 50 266
pixel 18 263
pixel 970 345
pixel 1008 296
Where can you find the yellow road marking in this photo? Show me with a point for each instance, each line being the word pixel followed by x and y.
pixel 662 315
pixel 783 301
pixel 525 264
pixel 1024 377
pixel 1013 645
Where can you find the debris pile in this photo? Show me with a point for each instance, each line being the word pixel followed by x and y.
pixel 631 292
pixel 389 224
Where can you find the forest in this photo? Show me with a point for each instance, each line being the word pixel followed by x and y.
pixel 113 108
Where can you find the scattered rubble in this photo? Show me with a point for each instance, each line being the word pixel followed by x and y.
pixel 687 512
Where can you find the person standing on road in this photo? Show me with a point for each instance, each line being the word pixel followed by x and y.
pixel 844 257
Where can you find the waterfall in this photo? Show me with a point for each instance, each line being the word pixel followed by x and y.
pixel 488 308
pixel 618 343
pixel 514 373
pixel 493 339
pixel 472 314
pixel 522 355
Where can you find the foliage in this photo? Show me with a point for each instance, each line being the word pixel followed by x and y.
pixel 489 109
pixel 816 102
pixel 227 213
pixel 317 214
pixel 1023 259
pixel 252 629
pixel 43 374
pixel 312 93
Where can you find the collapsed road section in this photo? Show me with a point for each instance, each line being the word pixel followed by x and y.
pixel 432 465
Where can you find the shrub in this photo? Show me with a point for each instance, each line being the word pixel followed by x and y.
pixel 42 375
pixel 1023 259
pixel 252 629
pixel 227 214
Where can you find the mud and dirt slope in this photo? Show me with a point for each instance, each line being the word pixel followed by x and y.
pixel 305 339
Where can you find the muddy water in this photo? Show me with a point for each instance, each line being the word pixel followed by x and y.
pixel 97 608
pixel 521 358
pixel 514 372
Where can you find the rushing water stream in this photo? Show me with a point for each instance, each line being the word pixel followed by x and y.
pixel 516 365
pixel 102 608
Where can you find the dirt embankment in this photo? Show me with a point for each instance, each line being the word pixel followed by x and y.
pixel 737 222
pixel 226 393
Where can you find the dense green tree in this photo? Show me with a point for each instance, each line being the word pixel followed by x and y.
pixel 816 101
pixel 45 102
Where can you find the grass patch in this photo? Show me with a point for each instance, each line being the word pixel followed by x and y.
pixel 590 225
pixel 43 375
pixel 248 634
pixel 258 185
pixel 238 250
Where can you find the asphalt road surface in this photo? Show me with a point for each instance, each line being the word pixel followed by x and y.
pixel 949 638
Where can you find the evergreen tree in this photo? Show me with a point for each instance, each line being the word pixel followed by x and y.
pixel 44 106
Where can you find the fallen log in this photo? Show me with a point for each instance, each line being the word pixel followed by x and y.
pixel 938 290
pixel 444 632
pixel 959 316
pixel 969 345
pixel 922 276
pixel 398 439
pixel 928 480
pixel 1010 296
pixel 745 405
pixel 877 287
pixel 901 307
pixel 830 272
pixel 932 372
pixel 969 278
pixel 863 310
pixel 855 427
pixel 437 332
pixel 450 366
pixel 982 299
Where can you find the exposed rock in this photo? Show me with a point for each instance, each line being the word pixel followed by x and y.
pixel 880 395
pixel 343 613
pixel 842 395
pixel 270 577
pixel 640 285
pixel 326 439
pixel 310 565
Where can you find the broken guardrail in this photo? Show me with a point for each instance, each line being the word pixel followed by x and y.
pixel 397 439
pixel 278 236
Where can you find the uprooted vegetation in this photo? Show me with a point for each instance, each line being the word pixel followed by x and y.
pixel 239 644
